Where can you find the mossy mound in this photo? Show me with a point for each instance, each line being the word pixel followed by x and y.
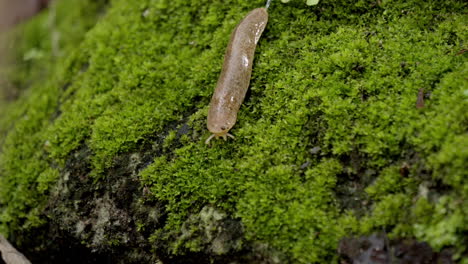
pixel 104 148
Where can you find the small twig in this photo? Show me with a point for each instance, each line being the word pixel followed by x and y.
pixel 10 255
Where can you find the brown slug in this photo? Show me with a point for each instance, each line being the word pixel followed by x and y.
pixel 235 75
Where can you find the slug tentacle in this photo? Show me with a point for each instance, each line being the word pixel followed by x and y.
pixel 228 135
pixel 207 141
pixel 225 136
pixel 234 79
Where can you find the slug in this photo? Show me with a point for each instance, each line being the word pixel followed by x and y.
pixel 235 75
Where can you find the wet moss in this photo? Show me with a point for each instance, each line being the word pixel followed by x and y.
pixel 329 142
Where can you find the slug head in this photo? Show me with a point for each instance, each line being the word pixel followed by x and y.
pixel 218 130
pixel 221 118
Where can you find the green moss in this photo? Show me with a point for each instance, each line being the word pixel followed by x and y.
pixel 331 104
pixel 37 72
pixel 390 180
pixel 446 222
pixel 34 48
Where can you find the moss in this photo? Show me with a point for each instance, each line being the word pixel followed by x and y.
pixel 331 110
pixel 446 222
pixel 40 50
pixel 34 48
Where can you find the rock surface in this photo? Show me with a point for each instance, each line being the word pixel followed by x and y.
pixel 102 130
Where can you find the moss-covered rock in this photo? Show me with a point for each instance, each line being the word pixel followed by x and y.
pixel 103 154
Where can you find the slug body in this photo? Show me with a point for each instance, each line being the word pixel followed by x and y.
pixel 234 79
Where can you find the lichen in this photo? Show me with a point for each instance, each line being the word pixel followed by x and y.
pixel 329 141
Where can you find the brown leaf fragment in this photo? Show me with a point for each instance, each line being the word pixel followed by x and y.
pixel 404 170
pixel 420 100
pixel 461 52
